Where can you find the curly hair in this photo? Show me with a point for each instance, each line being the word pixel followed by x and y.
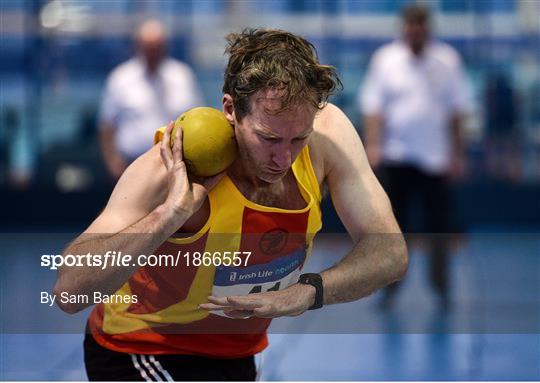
pixel 262 59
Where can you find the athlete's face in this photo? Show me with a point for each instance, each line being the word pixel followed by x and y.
pixel 269 143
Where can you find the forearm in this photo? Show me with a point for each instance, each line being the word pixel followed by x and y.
pixel 143 237
pixel 375 261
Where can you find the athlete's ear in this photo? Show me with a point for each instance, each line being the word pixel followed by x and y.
pixel 228 108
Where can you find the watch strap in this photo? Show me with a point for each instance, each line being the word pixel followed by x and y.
pixel 314 280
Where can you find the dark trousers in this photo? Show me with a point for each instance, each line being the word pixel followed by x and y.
pixel 105 365
pixel 407 187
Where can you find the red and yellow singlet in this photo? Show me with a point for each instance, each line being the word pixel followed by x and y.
pixel 166 319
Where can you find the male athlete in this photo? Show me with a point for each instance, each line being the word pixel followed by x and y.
pixel 206 322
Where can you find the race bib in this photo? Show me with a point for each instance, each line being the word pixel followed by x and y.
pixel 257 278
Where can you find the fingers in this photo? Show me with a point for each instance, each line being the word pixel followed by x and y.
pixel 262 305
pixel 172 155
pixel 238 314
pixel 240 303
pixel 212 307
pixel 221 304
pixel 235 311
pixel 252 305
pixel 218 301
pixel 165 150
pixel 177 145
pixel 245 303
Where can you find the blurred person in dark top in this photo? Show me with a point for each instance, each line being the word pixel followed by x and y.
pixel 413 102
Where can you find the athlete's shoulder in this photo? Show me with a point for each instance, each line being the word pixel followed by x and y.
pixel 333 134
pixel 333 130
pixel 329 119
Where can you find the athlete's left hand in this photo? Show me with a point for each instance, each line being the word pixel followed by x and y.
pixel 292 301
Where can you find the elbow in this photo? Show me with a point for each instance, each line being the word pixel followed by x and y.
pixel 69 308
pixel 400 261
pixel 402 265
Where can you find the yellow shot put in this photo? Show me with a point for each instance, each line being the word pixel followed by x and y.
pixel 208 140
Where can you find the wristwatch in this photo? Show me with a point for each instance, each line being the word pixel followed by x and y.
pixel 314 280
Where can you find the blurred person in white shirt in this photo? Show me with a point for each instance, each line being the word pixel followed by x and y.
pixel 142 94
pixel 414 100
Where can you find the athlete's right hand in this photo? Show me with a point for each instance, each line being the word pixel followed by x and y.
pixel 186 194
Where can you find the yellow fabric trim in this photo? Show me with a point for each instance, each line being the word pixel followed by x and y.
pixel 306 175
pixel 310 173
pixel 305 179
pixel 255 206
pixel 194 237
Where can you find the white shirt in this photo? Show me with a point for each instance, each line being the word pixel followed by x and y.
pixel 137 103
pixel 416 97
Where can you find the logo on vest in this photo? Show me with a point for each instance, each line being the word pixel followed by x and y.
pixel 273 241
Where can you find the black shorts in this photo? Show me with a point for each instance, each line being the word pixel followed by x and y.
pixel 105 365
